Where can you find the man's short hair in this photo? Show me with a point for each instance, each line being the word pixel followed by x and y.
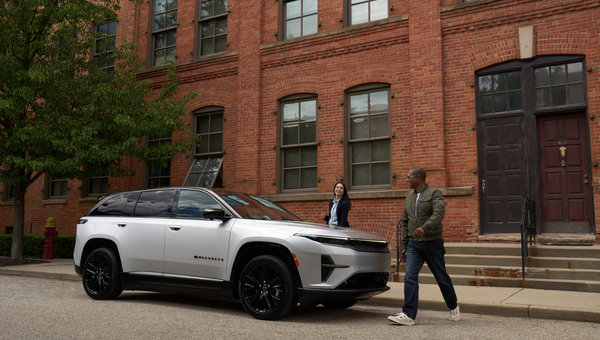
pixel 419 172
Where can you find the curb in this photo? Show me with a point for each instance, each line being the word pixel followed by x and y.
pixel 42 275
pixel 518 311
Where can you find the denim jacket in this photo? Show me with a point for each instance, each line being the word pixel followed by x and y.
pixel 430 212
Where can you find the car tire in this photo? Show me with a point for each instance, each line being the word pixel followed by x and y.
pixel 100 274
pixel 266 288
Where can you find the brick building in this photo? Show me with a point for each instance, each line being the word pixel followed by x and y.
pixel 497 99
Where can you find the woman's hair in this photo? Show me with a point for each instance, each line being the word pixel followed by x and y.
pixel 345 195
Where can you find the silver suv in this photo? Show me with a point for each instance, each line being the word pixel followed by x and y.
pixel 189 240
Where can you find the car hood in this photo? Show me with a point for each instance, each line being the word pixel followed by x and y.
pixel 309 228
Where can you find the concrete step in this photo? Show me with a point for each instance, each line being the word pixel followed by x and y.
pixel 468 280
pixel 515 272
pixel 484 260
pixel 508 249
pixel 565 251
pixel 563 262
pixel 532 261
pixel 514 249
pixel 557 267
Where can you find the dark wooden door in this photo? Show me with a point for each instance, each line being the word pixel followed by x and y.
pixel 502 181
pixel 565 183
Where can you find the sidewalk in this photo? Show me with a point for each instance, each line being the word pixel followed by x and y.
pixel 514 302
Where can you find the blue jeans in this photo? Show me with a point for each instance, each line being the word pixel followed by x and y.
pixel 431 252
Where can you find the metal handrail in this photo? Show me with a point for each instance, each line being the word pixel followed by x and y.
pixel 398 259
pixel 528 230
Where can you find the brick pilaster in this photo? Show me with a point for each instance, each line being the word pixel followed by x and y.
pixel 426 89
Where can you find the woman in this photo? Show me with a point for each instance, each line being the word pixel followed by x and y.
pixel 339 207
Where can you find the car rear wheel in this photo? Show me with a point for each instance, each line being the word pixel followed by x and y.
pixel 101 274
pixel 266 288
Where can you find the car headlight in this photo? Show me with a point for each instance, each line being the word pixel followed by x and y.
pixel 358 244
pixel 326 239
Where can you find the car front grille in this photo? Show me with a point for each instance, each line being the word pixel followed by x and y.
pixel 368 246
pixel 366 281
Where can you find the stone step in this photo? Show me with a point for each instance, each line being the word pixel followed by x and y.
pixel 515 261
pixel 558 267
pixel 515 272
pixel 468 280
pixel 514 249
pixel 563 262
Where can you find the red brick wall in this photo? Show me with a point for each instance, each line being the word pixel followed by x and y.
pixel 427 51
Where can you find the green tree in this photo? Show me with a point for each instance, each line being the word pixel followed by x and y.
pixel 61 113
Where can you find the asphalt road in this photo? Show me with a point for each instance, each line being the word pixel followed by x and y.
pixel 32 308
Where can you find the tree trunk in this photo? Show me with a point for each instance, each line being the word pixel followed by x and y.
pixel 16 251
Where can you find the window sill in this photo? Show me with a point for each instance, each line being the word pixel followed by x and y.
pixel 328 33
pixel 366 194
pixel 89 199
pixel 55 201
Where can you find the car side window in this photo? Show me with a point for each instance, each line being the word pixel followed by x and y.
pixel 117 205
pixel 155 203
pixel 192 204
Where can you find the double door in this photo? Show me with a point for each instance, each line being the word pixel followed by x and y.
pixel 552 169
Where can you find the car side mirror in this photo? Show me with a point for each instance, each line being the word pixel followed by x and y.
pixel 216 214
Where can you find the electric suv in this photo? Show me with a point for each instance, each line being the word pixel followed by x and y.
pixel 191 240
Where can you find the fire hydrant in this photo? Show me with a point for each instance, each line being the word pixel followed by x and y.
pixel 50 233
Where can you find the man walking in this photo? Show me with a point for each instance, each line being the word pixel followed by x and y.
pixel 422 241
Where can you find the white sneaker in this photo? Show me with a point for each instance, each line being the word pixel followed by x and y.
pixel 455 314
pixel 401 319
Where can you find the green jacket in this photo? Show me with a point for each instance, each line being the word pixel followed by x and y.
pixel 430 212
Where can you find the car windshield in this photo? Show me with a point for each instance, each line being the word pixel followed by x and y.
pixel 257 208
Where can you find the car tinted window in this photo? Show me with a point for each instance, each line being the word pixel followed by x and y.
pixel 192 204
pixel 257 208
pixel 117 205
pixel 155 203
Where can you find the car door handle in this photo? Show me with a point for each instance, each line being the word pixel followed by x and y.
pixel 174 228
pixel 122 224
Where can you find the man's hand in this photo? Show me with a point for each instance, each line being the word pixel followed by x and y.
pixel 419 232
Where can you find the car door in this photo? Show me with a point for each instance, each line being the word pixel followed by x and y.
pixel 195 245
pixel 141 238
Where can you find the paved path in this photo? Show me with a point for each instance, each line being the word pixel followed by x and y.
pixel 515 302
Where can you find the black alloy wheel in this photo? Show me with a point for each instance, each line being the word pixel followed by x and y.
pixel 101 274
pixel 266 288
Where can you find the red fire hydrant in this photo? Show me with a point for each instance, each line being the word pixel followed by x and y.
pixel 50 233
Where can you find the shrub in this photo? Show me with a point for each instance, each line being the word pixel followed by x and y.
pixel 33 245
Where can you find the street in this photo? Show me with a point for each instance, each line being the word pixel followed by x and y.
pixel 33 308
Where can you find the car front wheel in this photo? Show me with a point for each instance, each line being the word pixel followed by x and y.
pixel 101 274
pixel 266 288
